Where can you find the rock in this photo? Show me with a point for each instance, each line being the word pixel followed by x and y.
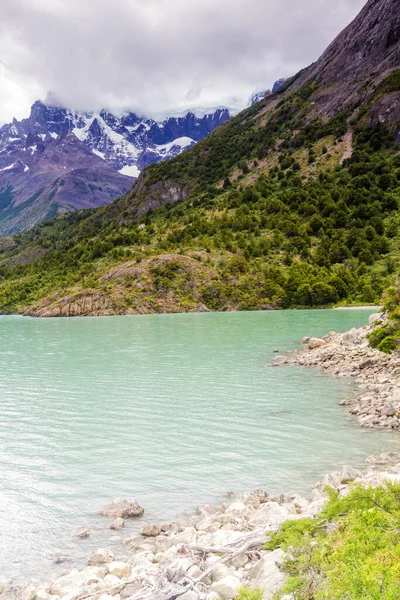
pixel 374 318
pixel 189 596
pixel 123 509
pixel 348 474
pixel 213 596
pixel 220 572
pixel 43 595
pixel 82 533
pixel 266 575
pixel 314 343
pixel 305 340
pixel 119 569
pixel 151 530
pixel 1 589
pixel 101 557
pixel 117 524
pixel 227 588
pixel 270 514
pixel 388 410
pixel 238 509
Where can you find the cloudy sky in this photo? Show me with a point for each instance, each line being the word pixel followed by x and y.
pixel 155 56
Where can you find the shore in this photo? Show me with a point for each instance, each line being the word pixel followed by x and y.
pixel 220 550
pixel 210 557
pixel 349 355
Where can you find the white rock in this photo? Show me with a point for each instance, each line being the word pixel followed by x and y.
pixel 220 572
pixel 271 515
pixel 266 575
pixel 119 569
pixel 213 596
pixel 227 588
pixel 117 524
pixel 102 556
pixel 189 596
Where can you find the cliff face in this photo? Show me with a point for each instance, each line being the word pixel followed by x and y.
pixel 370 43
pixel 349 71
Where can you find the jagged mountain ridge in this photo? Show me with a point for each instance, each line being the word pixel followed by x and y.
pixel 58 160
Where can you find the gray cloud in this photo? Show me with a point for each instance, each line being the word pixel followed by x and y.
pixel 157 55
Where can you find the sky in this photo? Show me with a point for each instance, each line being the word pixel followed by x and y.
pixel 157 56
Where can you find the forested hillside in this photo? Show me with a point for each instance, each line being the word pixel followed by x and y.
pixel 290 204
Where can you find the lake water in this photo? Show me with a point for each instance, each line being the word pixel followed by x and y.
pixel 174 410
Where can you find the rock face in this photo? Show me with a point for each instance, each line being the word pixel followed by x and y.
pixel 58 160
pixel 356 62
pixel 122 509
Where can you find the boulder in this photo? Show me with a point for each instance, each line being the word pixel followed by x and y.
pixel 119 569
pixel 101 557
pixel 227 588
pixel 82 533
pixel 271 515
pixel 266 575
pixel 314 343
pixel 122 509
pixel 220 572
pixel 151 530
pixel 117 524
pixel 388 410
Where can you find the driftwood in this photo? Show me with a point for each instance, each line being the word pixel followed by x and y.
pixel 172 583
pixel 173 590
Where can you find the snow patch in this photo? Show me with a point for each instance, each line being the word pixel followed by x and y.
pixel 130 171
pixel 98 153
pixel 182 142
pixel 8 168
pixel 43 136
pixel 54 135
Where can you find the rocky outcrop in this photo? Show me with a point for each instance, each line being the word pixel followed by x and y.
pixel 350 355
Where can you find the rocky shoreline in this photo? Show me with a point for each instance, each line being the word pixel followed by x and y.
pixel 220 550
pixel 349 355
pixel 210 557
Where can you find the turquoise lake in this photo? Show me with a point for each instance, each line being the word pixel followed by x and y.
pixel 174 410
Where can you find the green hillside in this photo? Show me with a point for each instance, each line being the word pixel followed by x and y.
pixel 277 208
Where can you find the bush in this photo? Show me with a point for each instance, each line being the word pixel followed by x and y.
pixel 350 552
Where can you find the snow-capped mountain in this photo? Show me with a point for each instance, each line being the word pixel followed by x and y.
pixel 59 160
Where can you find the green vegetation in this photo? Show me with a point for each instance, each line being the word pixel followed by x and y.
pixel 387 337
pixel 351 551
pixel 247 594
pixel 273 220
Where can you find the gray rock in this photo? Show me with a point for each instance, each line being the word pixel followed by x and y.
pixel 123 509
pixel 151 530
pixel 117 524
pixel 82 533
pixel 314 343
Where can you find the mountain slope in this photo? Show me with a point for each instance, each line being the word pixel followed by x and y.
pixel 59 160
pixel 294 202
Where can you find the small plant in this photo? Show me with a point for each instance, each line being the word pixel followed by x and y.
pixel 247 594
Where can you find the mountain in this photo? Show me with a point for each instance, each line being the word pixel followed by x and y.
pixel 279 83
pixel 59 160
pixel 258 96
pixel 292 203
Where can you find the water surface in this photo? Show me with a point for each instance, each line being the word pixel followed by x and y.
pixel 175 410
